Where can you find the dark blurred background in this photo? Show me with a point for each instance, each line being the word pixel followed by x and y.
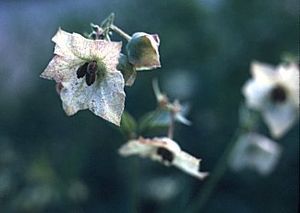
pixel 53 163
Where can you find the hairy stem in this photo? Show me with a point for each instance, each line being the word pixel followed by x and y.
pixel 120 32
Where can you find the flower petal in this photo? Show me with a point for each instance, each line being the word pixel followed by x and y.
pixel 165 151
pixel 107 52
pixel 61 68
pixel 256 93
pixel 263 72
pixel 63 47
pixel 104 98
pixel 75 46
pixel 289 76
pixel 254 151
pixel 280 118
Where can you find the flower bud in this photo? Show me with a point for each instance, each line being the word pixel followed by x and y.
pixel 142 50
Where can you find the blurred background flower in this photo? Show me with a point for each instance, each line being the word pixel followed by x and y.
pixel 255 152
pixel 274 92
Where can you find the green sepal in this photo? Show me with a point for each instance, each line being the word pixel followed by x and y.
pixel 127 70
pixel 128 125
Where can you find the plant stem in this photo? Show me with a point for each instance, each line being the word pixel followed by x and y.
pixel 120 32
pixel 220 169
pixel 133 184
pixel 171 126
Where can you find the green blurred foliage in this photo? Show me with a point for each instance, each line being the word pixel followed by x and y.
pixel 53 163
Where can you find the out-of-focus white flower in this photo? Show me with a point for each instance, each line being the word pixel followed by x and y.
pixel 254 151
pixel 142 50
pixel 165 151
pixel 86 72
pixel 275 93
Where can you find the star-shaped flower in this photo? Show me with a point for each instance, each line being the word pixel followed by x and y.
pixel 275 93
pixel 87 74
pixel 165 151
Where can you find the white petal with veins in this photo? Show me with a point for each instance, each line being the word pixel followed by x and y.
pixel 105 98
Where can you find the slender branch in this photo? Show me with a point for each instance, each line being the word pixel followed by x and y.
pixel 220 169
pixel 120 32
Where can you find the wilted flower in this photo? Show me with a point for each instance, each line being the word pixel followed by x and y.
pixel 275 93
pixel 165 151
pixel 87 76
pixel 254 151
pixel 142 50
pixel 176 108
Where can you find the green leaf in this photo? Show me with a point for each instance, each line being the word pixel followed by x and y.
pixel 155 120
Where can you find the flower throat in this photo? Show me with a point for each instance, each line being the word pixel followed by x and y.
pixel 89 70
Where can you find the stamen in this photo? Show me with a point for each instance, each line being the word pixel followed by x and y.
pixel 165 154
pixel 91 72
pixel 82 70
pixel 90 78
pixel 278 94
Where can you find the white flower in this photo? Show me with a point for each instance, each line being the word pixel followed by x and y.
pixel 86 72
pixel 275 93
pixel 254 151
pixel 165 151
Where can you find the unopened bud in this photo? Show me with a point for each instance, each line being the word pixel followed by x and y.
pixel 142 51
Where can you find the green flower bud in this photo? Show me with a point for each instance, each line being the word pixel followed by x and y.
pixel 127 70
pixel 142 50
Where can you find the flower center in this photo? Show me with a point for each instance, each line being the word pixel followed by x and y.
pixel 89 70
pixel 165 154
pixel 278 94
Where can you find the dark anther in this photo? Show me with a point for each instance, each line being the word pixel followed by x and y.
pixel 165 154
pixel 89 70
pixel 278 94
pixel 92 67
pixel 82 70
pixel 90 79
pixel 91 73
